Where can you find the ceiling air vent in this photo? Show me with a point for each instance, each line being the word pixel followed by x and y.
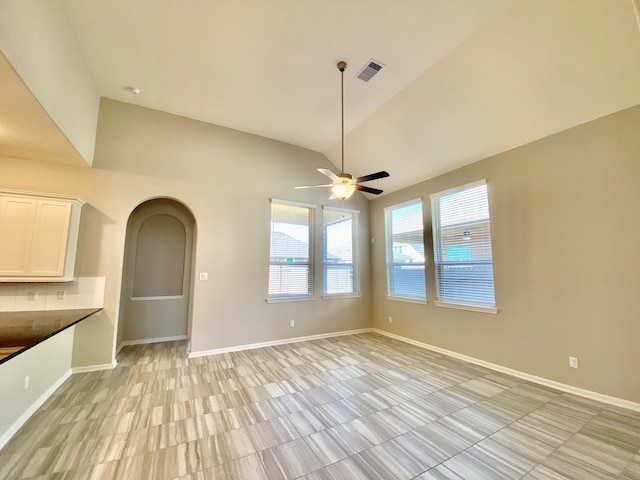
pixel 370 70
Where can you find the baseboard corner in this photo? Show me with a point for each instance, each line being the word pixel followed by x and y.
pixel 284 341
pixel 95 368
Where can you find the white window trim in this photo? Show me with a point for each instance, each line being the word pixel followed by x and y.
pixel 404 204
pixel 390 296
pixel 291 299
pixel 293 204
pixel 459 305
pixel 399 298
pixel 462 306
pixel 459 188
pixel 312 265
pixel 356 257
pixel 336 209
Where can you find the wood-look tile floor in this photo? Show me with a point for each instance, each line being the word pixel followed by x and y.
pixel 352 407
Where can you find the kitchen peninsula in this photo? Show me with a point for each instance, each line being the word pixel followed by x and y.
pixel 21 330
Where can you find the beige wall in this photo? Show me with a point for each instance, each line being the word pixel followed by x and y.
pixel 226 179
pixel 566 232
pixel 15 400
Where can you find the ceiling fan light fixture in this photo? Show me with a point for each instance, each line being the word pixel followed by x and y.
pixel 343 191
pixel 344 185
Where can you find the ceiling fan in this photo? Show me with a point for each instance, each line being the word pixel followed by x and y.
pixel 343 184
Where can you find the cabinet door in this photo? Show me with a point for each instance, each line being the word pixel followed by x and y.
pixel 50 233
pixel 17 217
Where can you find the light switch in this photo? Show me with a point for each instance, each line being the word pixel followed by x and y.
pixel 204 276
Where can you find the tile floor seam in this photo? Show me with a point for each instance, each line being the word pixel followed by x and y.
pixel 486 437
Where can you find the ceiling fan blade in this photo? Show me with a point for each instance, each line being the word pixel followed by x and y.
pixel 313 186
pixel 328 173
pixel 375 191
pixel 372 176
pixel 333 196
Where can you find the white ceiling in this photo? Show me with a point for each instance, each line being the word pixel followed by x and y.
pixel 465 79
pixel 268 66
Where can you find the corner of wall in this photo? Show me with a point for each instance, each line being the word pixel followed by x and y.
pixel 38 40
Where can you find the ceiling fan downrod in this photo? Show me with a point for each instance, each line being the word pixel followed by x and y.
pixel 343 185
pixel 342 66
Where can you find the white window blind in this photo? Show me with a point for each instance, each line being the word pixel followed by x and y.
pixel 462 246
pixel 339 240
pixel 404 229
pixel 291 265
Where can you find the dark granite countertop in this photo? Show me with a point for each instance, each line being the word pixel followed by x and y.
pixel 20 331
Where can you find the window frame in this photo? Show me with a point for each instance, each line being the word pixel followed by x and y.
pixel 389 253
pixel 438 253
pixel 355 264
pixel 310 295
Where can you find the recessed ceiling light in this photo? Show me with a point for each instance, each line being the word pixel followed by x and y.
pixel 134 90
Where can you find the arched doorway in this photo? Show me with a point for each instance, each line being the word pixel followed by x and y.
pixel 156 283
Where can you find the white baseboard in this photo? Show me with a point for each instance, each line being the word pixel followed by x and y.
pixel 600 397
pixel 250 346
pixel 11 431
pixel 145 341
pixel 95 368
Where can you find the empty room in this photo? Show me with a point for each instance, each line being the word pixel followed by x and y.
pixel 320 239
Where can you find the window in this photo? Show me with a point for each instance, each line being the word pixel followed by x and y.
pixel 291 265
pixel 339 239
pixel 405 251
pixel 462 247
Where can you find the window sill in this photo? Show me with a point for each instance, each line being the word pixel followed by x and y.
pixel 408 300
pixel 341 295
pixel 471 308
pixel 289 299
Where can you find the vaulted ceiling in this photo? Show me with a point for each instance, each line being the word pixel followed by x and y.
pixel 463 79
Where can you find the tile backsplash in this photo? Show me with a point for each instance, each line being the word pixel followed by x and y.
pixel 83 292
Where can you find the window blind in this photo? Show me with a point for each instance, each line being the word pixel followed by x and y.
pixel 340 275
pixel 290 265
pixel 404 231
pixel 462 246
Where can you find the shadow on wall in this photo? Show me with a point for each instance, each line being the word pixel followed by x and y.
pixel 89 345
pixel 92 223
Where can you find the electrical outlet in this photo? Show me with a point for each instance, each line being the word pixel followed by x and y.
pixel 32 295
pixel 573 362
pixel 292 323
pixel 26 381
pixel 61 294
pixel 390 319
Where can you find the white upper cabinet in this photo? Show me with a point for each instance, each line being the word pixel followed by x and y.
pixel 38 236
